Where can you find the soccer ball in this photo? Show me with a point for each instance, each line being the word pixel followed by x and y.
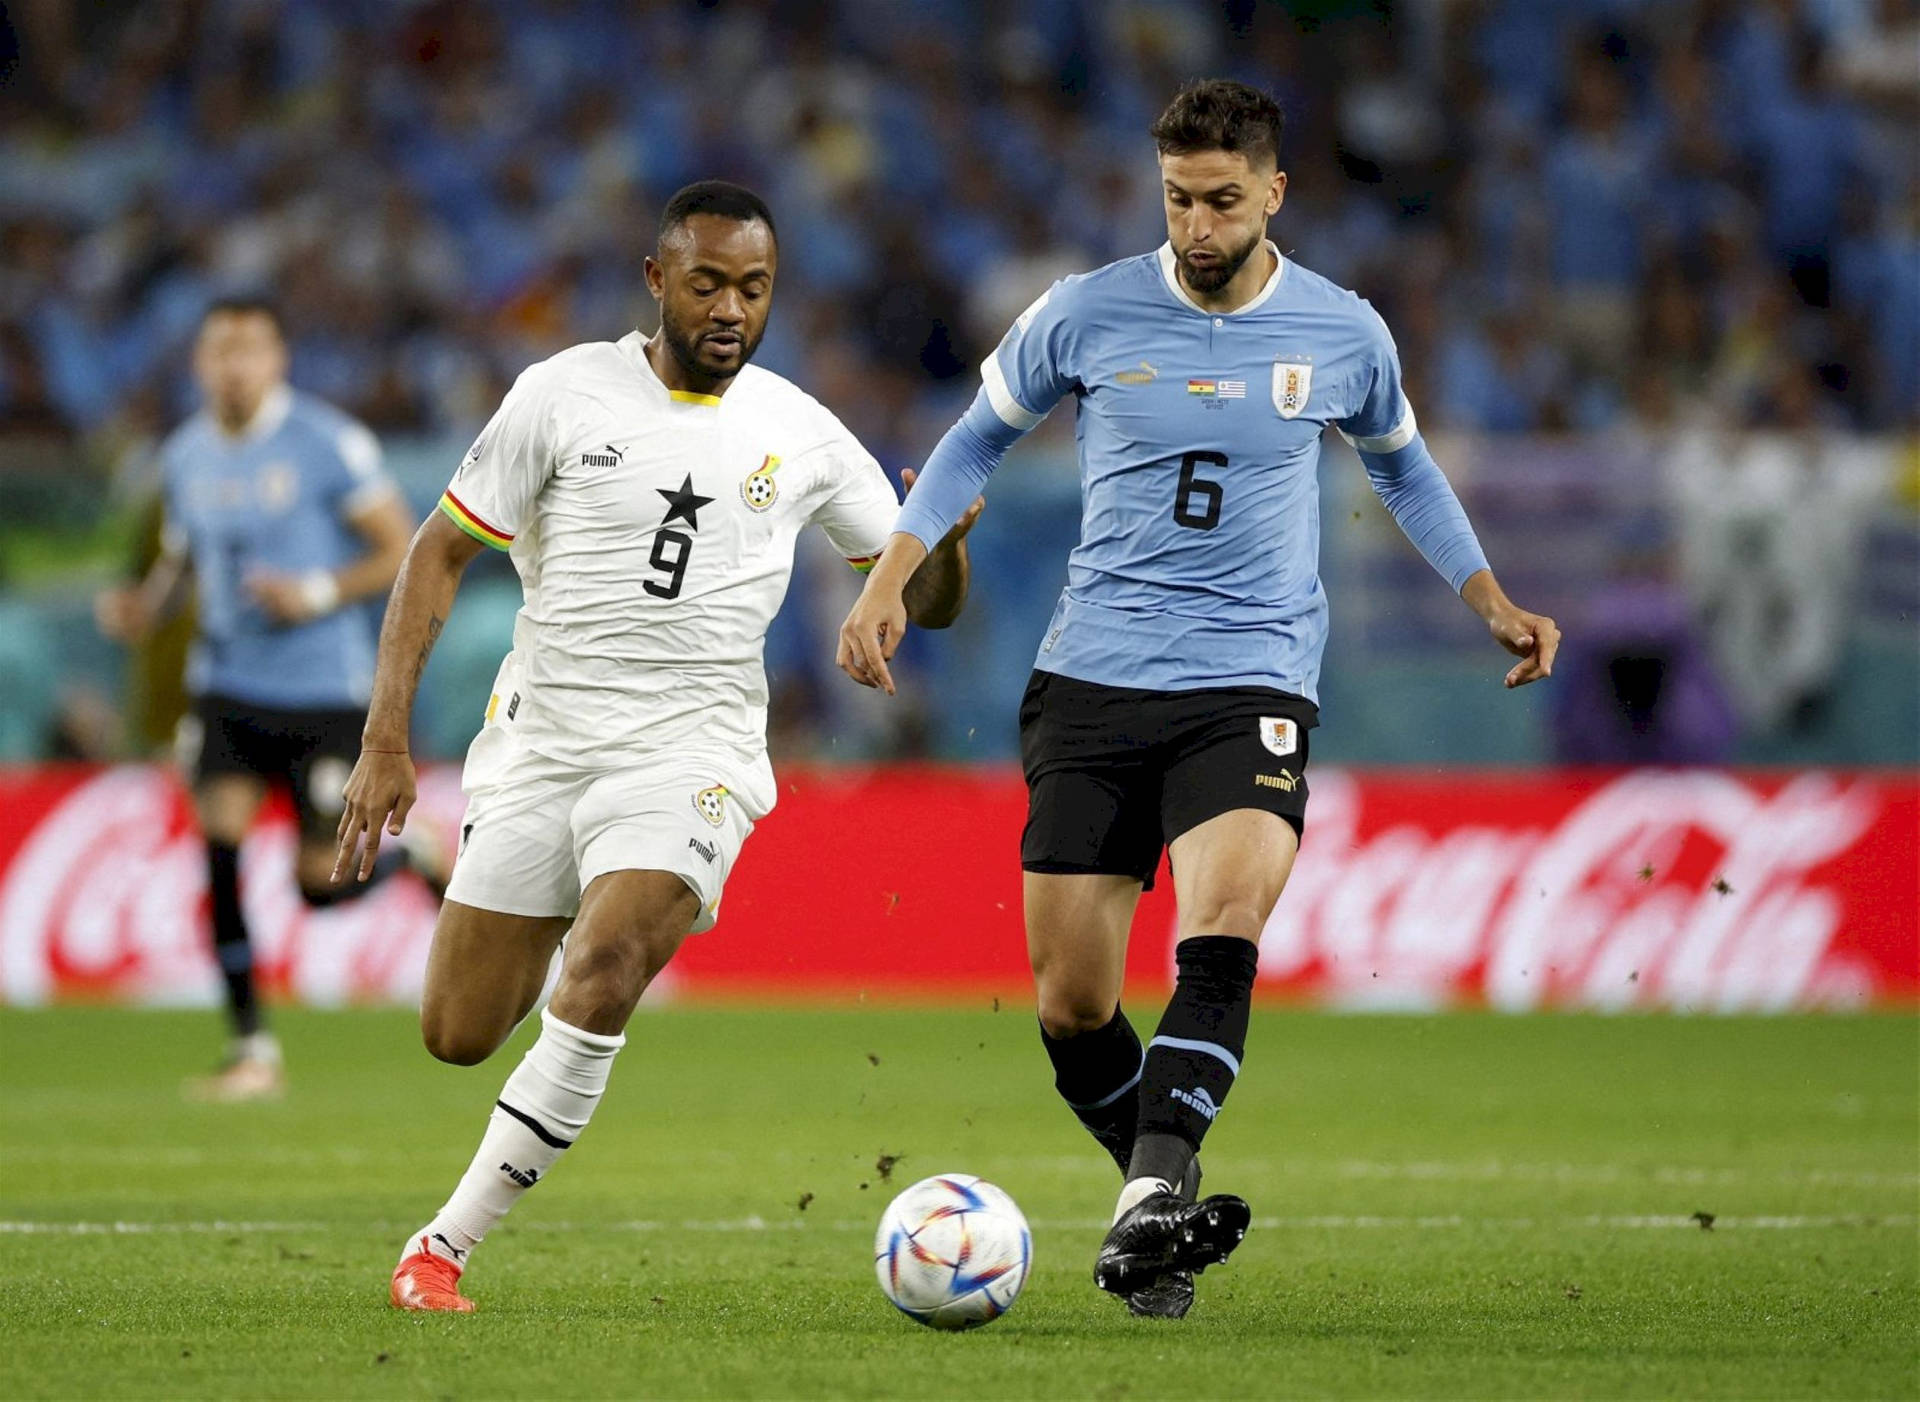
pixel 952 1251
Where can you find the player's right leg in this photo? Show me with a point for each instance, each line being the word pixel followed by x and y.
pixel 1091 843
pixel 228 789
pixel 485 970
pixel 1077 926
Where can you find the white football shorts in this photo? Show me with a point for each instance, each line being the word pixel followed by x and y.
pixel 537 832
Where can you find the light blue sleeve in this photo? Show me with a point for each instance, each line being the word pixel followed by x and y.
pixel 956 470
pixel 174 537
pixel 1027 374
pixel 1403 473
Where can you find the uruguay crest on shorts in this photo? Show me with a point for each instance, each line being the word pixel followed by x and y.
pixel 1292 383
pixel 1279 734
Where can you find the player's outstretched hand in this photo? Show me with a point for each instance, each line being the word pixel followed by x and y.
pixel 379 794
pixel 871 635
pixel 1531 637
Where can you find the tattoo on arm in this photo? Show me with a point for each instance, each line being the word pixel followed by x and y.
pixel 434 624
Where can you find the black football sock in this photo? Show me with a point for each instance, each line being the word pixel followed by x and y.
pixel 230 945
pixel 1098 1074
pixel 1195 1055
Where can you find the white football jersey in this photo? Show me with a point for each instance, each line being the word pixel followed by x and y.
pixel 653 531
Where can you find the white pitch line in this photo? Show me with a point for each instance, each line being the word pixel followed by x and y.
pixel 1470 1171
pixel 797 1224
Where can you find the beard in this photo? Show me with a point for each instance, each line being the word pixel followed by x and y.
pixel 684 343
pixel 1212 278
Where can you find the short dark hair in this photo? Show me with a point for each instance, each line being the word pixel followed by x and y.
pixel 721 197
pixel 246 304
pixel 1218 114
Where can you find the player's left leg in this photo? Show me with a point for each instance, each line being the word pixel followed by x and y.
pixel 629 926
pixel 1228 873
pixel 653 846
pixel 1233 806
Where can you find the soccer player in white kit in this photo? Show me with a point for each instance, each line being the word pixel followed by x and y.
pixel 649 492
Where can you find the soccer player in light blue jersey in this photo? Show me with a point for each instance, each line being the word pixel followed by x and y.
pixel 1176 683
pixel 278 512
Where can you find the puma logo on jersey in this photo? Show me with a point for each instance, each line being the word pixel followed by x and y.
pixel 1145 375
pixel 707 850
pixel 609 456
pixel 760 491
pixel 1284 782
pixel 711 804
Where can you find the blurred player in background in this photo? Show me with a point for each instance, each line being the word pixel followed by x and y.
pixel 279 516
pixel 1175 686
pixel 650 493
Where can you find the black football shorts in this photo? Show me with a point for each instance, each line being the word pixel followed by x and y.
pixel 1114 773
pixel 310 751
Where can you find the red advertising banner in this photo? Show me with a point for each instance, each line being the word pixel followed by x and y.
pixel 1689 889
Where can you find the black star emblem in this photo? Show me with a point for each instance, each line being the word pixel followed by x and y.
pixel 683 503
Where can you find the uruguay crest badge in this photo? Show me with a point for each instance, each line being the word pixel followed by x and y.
pixel 1292 383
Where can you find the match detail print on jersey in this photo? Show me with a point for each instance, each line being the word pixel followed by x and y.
pixel 461 516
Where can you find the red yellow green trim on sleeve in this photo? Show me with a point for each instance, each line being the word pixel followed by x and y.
pixel 864 564
pixel 458 513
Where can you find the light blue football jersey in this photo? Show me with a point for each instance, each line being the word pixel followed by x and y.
pixel 277 499
pixel 1199 442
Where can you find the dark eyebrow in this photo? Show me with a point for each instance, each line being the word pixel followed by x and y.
pixel 1232 187
pixel 708 270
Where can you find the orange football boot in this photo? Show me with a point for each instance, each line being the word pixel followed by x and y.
pixel 424 1281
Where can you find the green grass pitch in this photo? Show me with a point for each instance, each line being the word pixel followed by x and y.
pixel 1461 1206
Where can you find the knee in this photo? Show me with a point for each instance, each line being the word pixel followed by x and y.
pixel 1068 1011
pixel 1227 912
pixel 603 978
pixel 458 1044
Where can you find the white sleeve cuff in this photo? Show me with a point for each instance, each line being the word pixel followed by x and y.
pixel 1393 440
pixel 1012 413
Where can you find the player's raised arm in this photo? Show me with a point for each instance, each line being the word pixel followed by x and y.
pixel 937 590
pixel 1422 502
pixel 1020 382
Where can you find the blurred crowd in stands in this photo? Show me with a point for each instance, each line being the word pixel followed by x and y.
pixel 1633 218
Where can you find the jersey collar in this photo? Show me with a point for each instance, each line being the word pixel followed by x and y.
pixel 633 346
pixel 1171 275
pixel 275 405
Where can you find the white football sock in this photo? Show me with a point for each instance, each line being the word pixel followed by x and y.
pixel 257 1046
pixel 1136 1189
pixel 543 1107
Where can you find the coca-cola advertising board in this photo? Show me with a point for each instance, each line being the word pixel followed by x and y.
pixel 1690 889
